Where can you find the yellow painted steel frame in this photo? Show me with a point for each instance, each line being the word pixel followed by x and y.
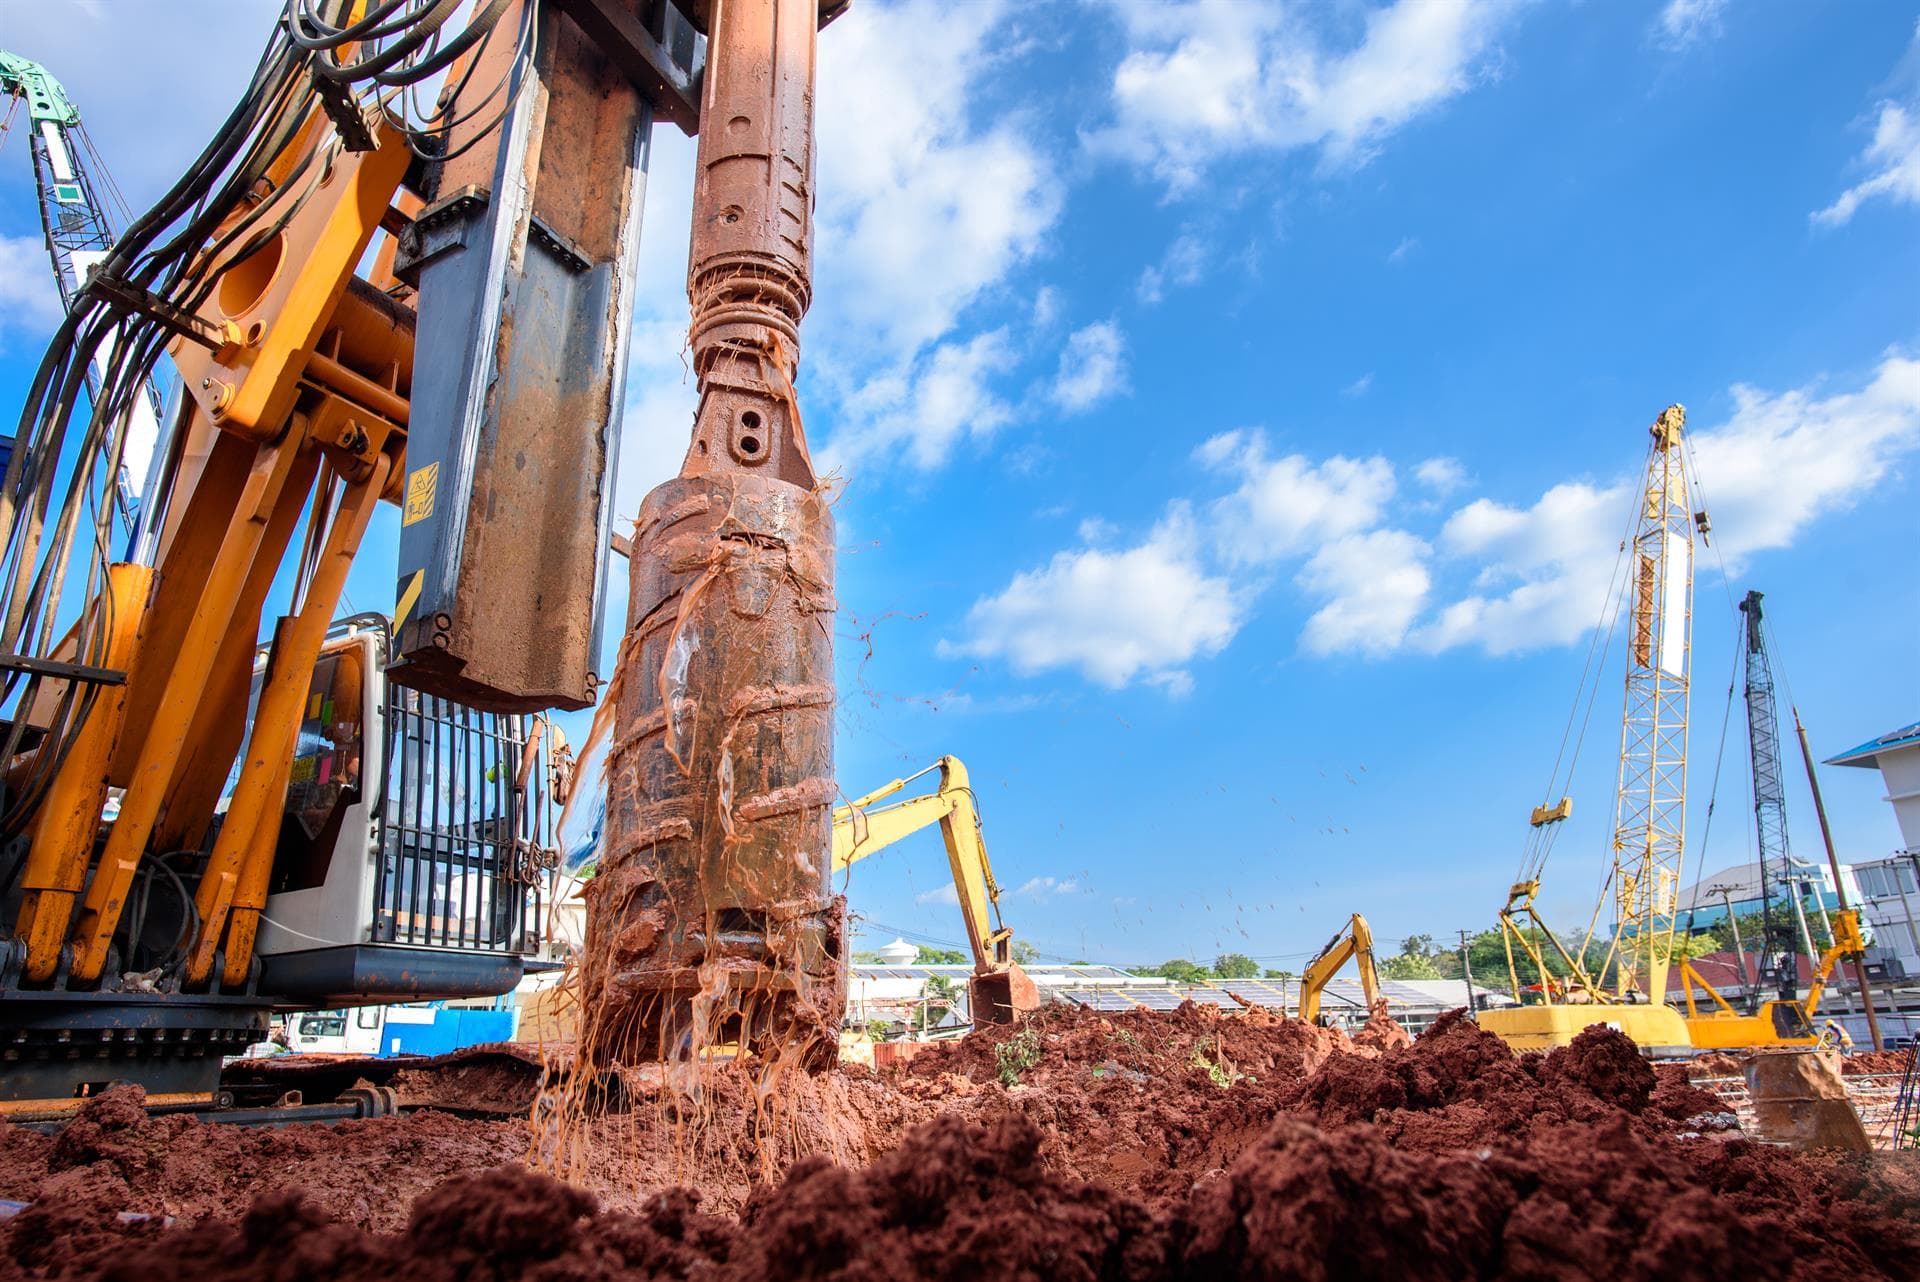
pixel 860 829
pixel 315 371
pixel 1577 980
pixel 1729 1029
pixel 1354 941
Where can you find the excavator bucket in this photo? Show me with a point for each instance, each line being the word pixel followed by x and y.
pixel 1002 997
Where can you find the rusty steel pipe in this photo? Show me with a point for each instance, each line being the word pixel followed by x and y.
pixel 711 918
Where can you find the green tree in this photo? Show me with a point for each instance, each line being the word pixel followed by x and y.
pixel 1409 966
pixel 1235 966
pixel 1417 946
pixel 1025 954
pixel 939 957
pixel 940 997
pixel 1179 970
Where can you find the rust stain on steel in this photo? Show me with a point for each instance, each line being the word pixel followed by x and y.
pixel 711 918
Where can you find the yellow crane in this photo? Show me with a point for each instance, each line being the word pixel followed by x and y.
pixel 999 989
pixel 1650 802
pixel 1353 943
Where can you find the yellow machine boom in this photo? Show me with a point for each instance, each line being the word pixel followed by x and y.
pixel 999 989
pixel 1353 943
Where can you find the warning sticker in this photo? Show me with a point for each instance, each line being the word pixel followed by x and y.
pixel 421 483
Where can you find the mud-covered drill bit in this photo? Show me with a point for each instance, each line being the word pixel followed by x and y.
pixel 710 920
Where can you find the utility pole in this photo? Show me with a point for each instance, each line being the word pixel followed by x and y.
pixel 1466 968
pixel 1740 951
pixel 1839 885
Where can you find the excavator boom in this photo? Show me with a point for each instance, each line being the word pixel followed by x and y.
pixel 1353 943
pixel 999 989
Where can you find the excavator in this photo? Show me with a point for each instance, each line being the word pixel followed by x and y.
pixel 1354 943
pixel 217 801
pixel 1780 1021
pixel 999 991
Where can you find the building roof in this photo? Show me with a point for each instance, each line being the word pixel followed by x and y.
pixel 1865 755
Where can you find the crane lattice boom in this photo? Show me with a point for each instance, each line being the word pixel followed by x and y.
pixel 1651 809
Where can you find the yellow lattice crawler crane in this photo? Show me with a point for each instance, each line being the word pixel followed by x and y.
pixel 1650 808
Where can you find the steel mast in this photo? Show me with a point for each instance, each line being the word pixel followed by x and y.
pixel 79 235
pixel 1769 806
pixel 1651 808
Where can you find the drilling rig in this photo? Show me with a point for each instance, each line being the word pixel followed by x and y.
pixel 710 921
pixel 371 301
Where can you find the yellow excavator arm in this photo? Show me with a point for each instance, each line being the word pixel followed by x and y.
pixel 865 827
pixel 1354 942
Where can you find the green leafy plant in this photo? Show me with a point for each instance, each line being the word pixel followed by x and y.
pixel 1016 1055
pixel 1213 1061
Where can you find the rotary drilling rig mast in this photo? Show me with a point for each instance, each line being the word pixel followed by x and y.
pixel 711 920
pixel 1777 961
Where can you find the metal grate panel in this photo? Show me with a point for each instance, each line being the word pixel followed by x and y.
pixel 466 828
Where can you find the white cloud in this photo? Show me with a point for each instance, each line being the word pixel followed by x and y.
pixel 1209 78
pixel 1894 159
pixel 1441 475
pixel 1359 386
pixel 1044 887
pixel 1540 574
pixel 1183 264
pixel 919 211
pixel 1782 461
pixel 1399 253
pixel 943 894
pixel 1686 22
pixel 943 398
pixel 1046 307
pixel 1091 368
pixel 1289 505
pixel 29 299
pixel 1377 583
pixel 1140 613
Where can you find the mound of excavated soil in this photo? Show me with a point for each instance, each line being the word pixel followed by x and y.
pixel 1864 1062
pixel 1254 1148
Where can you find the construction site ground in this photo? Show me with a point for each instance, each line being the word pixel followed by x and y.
pixel 1191 1144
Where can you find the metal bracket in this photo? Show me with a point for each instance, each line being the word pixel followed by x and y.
pixel 665 66
pixel 84 672
pixel 438 229
pixel 563 249
pixel 343 109
pixel 132 298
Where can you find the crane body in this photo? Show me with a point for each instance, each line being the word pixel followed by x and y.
pixel 79 234
pixel 364 306
pixel 1784 1019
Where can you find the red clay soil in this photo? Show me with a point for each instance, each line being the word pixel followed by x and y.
pixel 1863 1062
pixel 1449 1158
pixel 1858 1064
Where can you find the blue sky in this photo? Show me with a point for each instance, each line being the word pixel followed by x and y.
pixel 1238 405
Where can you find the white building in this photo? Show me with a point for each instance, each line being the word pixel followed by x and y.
pixel 1890 886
